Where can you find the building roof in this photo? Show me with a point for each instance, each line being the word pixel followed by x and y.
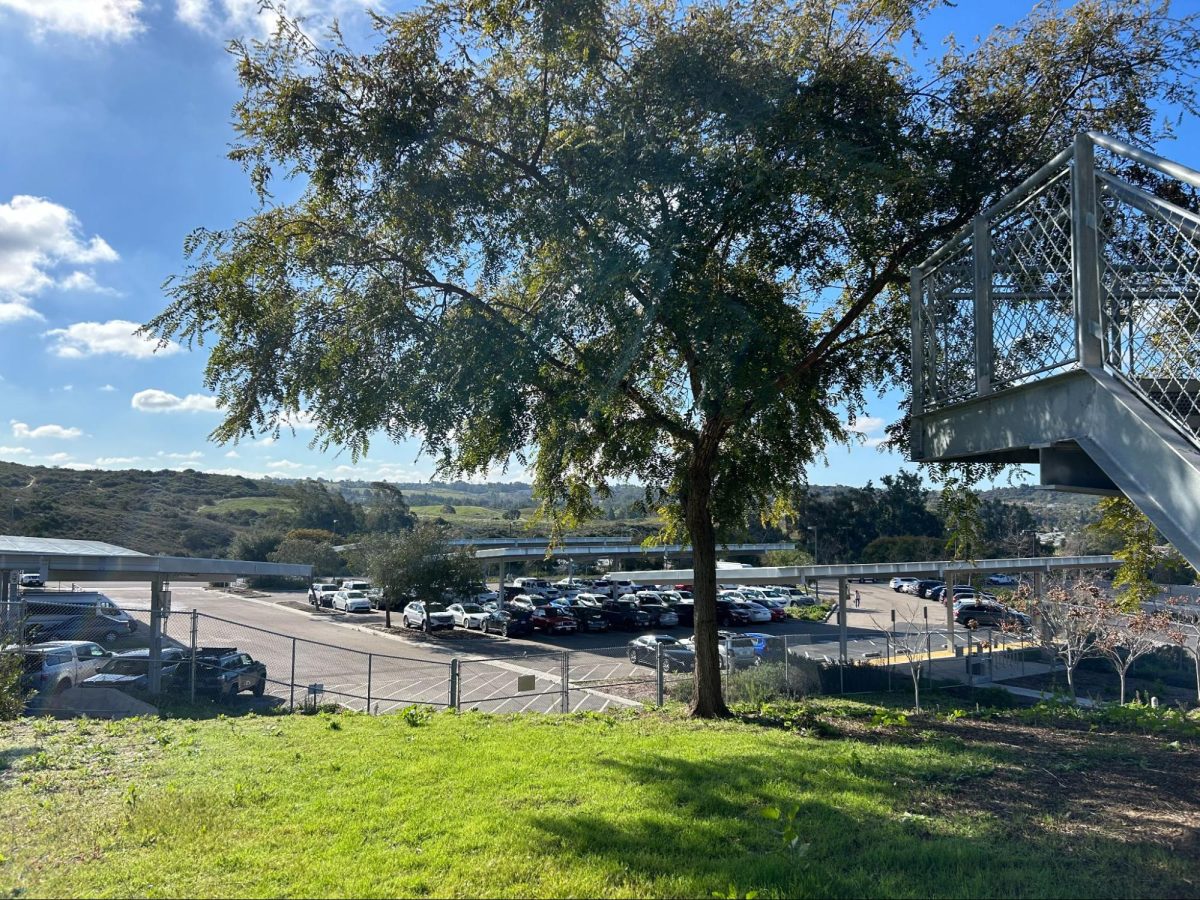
pixel 65 559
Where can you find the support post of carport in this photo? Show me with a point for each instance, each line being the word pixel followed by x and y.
pixel 948 599
pixel 843 602
pixel 155 662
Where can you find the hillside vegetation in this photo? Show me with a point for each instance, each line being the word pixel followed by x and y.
pixel 823 799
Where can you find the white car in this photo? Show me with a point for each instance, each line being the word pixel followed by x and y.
pixel 757 612
pixel 527 601
pixel 587 599
pixel 321 594
pixel 1002 580
pixel 618 587
pixel 468 615
pixel 902 585
pixel 427 616
pixel 352 601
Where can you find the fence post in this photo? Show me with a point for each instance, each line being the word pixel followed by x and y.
pixel 455 700
pixel 292 679
pixel 928 652
pixel 983 306
pixel 658 671
pixel 1085 252
pixel 370 672
pixel 970 651
pixel 195 643
pixel 991 655
pixel 565 680
pixel 787 683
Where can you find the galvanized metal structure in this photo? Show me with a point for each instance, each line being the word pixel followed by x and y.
pixel 1062 328
pixel 64 559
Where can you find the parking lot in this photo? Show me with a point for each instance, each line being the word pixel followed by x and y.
pixel 360 666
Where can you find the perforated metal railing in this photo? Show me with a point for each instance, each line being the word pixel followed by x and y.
pixel 1000 305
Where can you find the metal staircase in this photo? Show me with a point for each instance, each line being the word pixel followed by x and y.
pixel 1063 328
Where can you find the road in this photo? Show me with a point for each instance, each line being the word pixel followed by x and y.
pixel 358 666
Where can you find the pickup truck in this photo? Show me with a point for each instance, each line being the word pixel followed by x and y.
pixel 553 620
pixel 225 673
pixel 626 614
pixel 53 666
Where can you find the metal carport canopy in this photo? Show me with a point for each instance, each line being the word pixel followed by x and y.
pixel 789 574
pixel 540 551
pixel 62 559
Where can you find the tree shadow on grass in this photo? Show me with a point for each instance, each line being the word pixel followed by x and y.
pixel 872 828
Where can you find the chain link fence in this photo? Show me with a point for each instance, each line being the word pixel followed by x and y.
pixel 207 658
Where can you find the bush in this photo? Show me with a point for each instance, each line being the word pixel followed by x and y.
pixel 12 697
pixel 797 679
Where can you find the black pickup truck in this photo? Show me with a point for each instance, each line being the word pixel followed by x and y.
pixel 224 672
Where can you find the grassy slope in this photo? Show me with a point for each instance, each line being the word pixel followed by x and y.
pixel 261 505
pixel 471 805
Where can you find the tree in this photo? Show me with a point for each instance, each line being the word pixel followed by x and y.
pixel 318 554
pixel 318 507
pixel 1072 619
pixel 511 515
pixel 389 512
pixel 419 564
pixel 1184 630
pixel 1124 639
pixel 913 645
pixel 1137 536
pixel 626 239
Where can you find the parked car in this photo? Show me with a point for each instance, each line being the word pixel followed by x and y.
pixel 626 614
pixel 554 620
pixel 355 584
pixel 131 670
pixel 352 601
pixel 938 594
pixel 427 615
pixel 529 601
pixel 322 594
pixel 588 618
pixel 468 615
pixel 677 656
pixel 730 613
pixel 617 587
pixel 1001 580
pixel 32 580
pixel 925 585
pixel 765 646
pixel 51 667
pixel 74 616
pixel 991 615
pixel 758 613
pixel 518 622
pixel 777 609
pixel 224 672
pixel 661 613
pixel 899 583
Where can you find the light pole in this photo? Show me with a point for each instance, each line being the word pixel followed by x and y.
pixel 816 581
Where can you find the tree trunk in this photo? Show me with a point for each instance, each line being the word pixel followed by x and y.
pixel 1070 678
pixel 387 614
pixel 1121 677
pixel 1196 660
pixel 916 674
pixel 707 699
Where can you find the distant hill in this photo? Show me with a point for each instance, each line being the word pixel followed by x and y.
pixel 154 512
pixel 1053 510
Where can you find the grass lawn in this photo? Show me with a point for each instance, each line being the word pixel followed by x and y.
pixel 257 504
pixel 638 804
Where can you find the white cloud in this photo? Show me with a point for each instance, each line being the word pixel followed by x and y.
pixel 36 236
pixel 286 464
pixel 107 388
pixel 115 336
pixel 153 400
pixel 105 20
pixel 232 454
pixel 195 454
pixel 58 457
pixel 82 281
pixel 78 467
pixel 874 442
pixel 234 18
pixel 117 460
pixel 865 424
pixel 21 430
pixel 14 451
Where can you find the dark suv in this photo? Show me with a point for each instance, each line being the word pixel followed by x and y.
pixel 225 673
pixel 990 615
pixel 589 617
pixel 729 613
pixel 625 614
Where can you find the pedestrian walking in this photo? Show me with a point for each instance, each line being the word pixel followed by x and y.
pixel 857 599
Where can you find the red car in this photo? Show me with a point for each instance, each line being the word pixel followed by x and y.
pixel 553 620
pixel 778 610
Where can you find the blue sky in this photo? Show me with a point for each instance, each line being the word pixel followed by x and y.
pixel 116 120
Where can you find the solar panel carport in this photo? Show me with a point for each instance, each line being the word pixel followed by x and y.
pixel 64 559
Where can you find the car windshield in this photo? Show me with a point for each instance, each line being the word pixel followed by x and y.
pixel 741 643
pixel 126 667
pixel 355 595
pixel 435 607
pixel 472 608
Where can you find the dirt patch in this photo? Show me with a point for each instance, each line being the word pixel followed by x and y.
pixel 1075 782
pixel 449 636
pixel 1104 686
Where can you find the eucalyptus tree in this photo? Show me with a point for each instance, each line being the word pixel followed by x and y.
pixel 626 239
